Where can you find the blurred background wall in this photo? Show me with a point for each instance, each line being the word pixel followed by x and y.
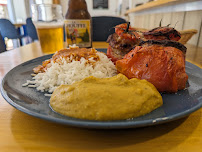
pixel 114 7
pixel 181 16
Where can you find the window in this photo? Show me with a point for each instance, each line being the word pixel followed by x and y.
pixel 100 4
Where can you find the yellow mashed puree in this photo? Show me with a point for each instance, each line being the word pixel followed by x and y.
pixel 112 98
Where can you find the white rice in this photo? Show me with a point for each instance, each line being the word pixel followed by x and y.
pixel 70 71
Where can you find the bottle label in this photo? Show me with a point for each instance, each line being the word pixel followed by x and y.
pixel 78 32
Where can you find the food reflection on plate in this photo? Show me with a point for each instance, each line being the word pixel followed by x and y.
pixel 85 84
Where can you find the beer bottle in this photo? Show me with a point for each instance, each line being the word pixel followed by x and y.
pixel 78 23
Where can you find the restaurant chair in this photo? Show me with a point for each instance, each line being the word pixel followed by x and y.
pixel 2 44
pixel 8 30
pixel 31 29
pixel 103 26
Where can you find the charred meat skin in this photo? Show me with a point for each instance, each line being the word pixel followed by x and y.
pixel 162 33
pixel 122 44
pixel 126 32
pixel 122 41
pixel 163 66
pixel 115 54
pixel 165 43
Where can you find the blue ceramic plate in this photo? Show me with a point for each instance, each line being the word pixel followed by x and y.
pixel 34 103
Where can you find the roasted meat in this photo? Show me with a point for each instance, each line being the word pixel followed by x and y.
pixel 73 53
pixel 158 63
pixel 122 41
pixel 162 33
pixel 114 54
pixel 127 32
pixel 122 44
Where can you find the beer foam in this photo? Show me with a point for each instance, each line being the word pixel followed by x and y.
pixel 43 25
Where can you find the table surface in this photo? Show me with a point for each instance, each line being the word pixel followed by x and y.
pixel 21 132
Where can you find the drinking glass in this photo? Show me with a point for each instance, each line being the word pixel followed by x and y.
pixel 49 23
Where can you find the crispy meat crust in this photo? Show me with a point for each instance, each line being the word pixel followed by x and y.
pixel 162 33
pixel 122 44
pixel 115 54
pixel 165 43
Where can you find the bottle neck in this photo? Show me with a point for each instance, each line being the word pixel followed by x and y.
pixel 76 5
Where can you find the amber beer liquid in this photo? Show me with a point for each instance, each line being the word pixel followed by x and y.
pixel 49 22
pixel 78 24
pixel 50 37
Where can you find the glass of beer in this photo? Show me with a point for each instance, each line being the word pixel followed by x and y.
pixel 49 23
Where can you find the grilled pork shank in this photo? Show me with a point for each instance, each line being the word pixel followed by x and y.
pixel 160 62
